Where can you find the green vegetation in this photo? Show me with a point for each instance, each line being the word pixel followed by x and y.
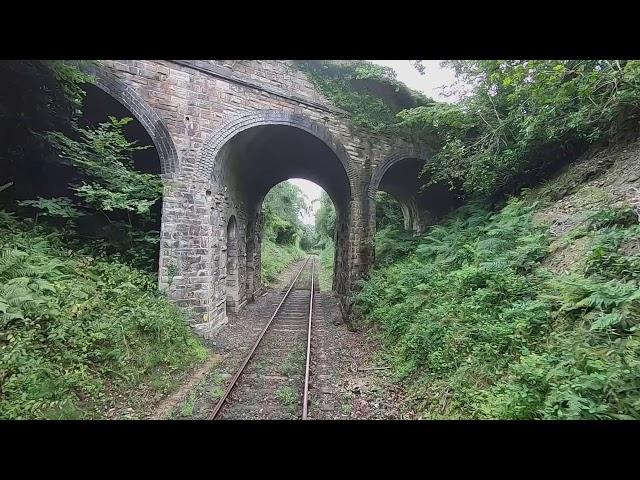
pixel 197 404
pixel 81 319
pixel 521 119
pixel 284 232
pixel 275 258
pixel 325 223
pixel 287 239
pixel 77 330
pixel 346 405
pixel 287 395
pixel 282 208
pixel 370 92
pixel 294 362
pixel 325 272
pixel 525 118
pixel 479 329
pixel 388 212
pixel 473 322
pixel 391 240
pixel 186 410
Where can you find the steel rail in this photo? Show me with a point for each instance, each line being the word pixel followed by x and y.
pixel 234 380
pixel 306 372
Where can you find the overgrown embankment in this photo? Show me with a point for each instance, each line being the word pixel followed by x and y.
pixel 528 311
pixel 79 333
pixel 276 257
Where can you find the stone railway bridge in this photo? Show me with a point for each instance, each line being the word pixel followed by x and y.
pixel 226 132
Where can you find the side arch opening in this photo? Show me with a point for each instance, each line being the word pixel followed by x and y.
pixel 129 231
pixel 403 205
pixel 129 99
pixel 233 286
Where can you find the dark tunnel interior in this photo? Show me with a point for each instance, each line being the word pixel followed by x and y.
pixel 259 158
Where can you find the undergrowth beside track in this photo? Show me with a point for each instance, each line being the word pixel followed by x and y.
pixel 477 327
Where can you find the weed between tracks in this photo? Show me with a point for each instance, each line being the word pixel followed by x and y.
pixel 288 397
pixel 261 366
pixel 347 407
pixel 187 407
pixel 294 363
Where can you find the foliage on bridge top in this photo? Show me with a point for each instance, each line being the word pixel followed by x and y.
pixel 371 93
pixel 517 121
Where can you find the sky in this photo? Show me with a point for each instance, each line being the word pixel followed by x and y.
pixel 430 84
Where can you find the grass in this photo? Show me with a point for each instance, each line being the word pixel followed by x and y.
pixel 294 362
pixel 186 410
pixel 346 408
pixel 287 395
pixel 209 389
pixel 262 366
pixel 275 258
pixel 325 272
pixel 216 393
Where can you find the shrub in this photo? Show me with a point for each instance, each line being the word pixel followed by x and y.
pixel 478 329
pixel 76 329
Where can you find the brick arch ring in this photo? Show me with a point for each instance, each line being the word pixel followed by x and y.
pixel 142 112
pixel 389 162
pixel 208 167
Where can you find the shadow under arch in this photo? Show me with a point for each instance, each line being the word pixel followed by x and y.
pixel 390 161
pixel 399 176
pixel 209 166
pixel 249 155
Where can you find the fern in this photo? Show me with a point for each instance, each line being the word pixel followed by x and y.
pixel 62 319
pixel 473 313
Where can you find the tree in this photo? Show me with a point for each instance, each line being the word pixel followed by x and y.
pixel 75 176
pixel 283 207
pixel 522 119
pixel 308 237
pixel 36 97
pixel 325 221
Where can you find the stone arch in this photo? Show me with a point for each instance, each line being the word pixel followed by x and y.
pixel 146 115
pixel 207 168
pixel 389 162
pixel 408 205
pixel 226 162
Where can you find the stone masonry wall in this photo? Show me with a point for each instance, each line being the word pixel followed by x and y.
pixel 191 106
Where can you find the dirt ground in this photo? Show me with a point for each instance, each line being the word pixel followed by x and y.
pixel 598 179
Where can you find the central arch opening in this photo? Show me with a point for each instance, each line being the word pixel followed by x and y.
pixel 257 160
pixel 299 219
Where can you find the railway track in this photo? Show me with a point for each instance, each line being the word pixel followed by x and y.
pixel 272 382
